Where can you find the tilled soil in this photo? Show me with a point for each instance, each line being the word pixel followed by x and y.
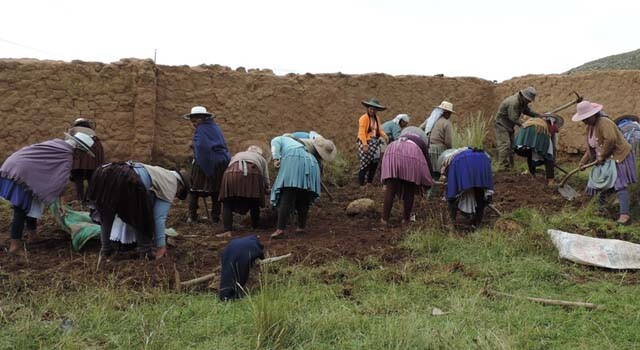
pixel 330 235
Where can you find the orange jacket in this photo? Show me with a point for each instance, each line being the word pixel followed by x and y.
pixel 363 129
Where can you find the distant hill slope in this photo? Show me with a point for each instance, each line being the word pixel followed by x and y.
pixel 627 60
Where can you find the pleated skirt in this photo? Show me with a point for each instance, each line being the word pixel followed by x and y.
pixel 404 160
pixel 235 184
pixel 298 169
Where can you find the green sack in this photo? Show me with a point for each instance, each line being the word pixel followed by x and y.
pixel 80 226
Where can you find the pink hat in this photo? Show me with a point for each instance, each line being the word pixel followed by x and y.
pixel 585 109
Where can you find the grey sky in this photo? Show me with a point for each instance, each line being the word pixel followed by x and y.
pixel 490 39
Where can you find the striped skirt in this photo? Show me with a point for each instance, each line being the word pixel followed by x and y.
pixel 200 182
pixel 235 184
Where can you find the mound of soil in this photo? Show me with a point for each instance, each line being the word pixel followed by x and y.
pixel 331 235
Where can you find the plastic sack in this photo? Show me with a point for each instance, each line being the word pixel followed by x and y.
pixel 80 226
pixel 608 253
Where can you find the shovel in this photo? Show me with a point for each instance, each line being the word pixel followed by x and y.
pixel 567 191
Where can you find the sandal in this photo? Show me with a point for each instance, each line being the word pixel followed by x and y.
pixel 277 234
pixel 226 234
pixel 624 223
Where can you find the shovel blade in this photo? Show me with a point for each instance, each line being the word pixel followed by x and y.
pixel 568 192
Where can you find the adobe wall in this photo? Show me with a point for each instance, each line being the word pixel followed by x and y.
pixel 40 99
pixel 137 105
pixel 259 106
pixel 618 91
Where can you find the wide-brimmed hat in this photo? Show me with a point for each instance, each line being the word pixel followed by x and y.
pixel 198 112
pixel 83 142
pixel 185 179
pixel 373 102
pixel 529 93
pixel 324 148
pixel 447 106
pixel 559 120
pixel 585 109
pixel 633 118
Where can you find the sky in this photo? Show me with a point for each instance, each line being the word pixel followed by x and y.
pixel 490 39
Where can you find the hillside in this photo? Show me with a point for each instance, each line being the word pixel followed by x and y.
pixel 625 61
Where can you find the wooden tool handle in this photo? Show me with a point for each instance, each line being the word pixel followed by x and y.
pixel 564 181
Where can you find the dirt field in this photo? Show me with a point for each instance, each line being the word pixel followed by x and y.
pixel 331 235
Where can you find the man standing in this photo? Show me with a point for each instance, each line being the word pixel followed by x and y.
pixel 439 129
pixel 507 118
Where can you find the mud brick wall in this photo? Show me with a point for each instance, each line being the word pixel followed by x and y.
pixel 618 91
pixel 40 99
pixel 259 106
pixel 138 105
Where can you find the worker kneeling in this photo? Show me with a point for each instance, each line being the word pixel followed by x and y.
pixel 469 182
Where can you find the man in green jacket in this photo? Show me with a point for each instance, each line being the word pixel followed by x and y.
pixel 507 118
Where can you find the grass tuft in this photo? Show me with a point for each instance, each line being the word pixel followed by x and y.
pixel 472 132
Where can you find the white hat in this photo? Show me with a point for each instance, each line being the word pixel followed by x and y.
pixel 82 141
pixel 447 106
pixel 198 112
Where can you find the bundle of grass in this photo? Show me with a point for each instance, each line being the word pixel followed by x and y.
pixel 472 131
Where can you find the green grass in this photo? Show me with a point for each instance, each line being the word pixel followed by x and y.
pixel 360 305
pixel 472 132
pixel 338 171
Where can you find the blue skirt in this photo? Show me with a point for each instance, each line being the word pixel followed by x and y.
pixel 299 169
pixel 16 193
pixel 469 169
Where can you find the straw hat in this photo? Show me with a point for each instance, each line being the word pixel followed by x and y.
pixel 585 109
pixel 198 112
pixel 373 102
pixel 326 149
pixel 529 93
pixel 447 106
